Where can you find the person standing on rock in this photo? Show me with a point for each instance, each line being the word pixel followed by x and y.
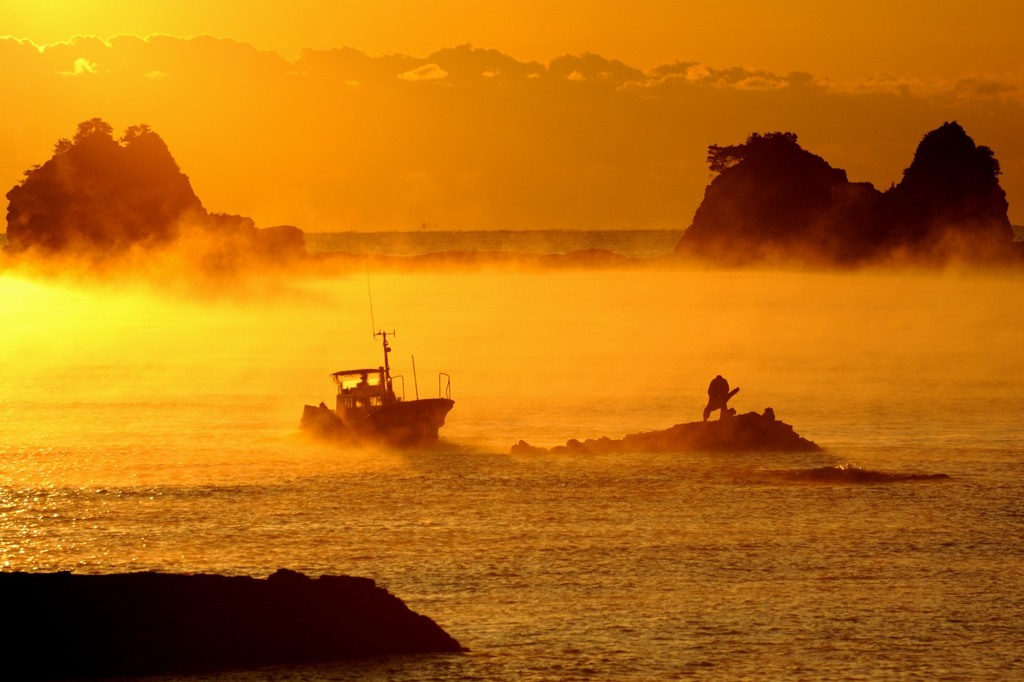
pixel 718 396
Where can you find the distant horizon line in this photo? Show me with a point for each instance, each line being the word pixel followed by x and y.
pixel 1019 229
pixel 435 230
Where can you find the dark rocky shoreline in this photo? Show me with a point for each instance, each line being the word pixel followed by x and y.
pixel 62 625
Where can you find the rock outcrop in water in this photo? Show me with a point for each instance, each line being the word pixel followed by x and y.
pixel 62 625
pixel 773 201
pixel 99 197
pixel 733 433
pixel 852 474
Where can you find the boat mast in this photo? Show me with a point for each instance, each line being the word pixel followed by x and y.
pixel 387 366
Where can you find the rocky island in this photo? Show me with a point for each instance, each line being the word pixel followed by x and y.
pixel 732 433
pixel 772 201
pixel 101 199
pixel 63 625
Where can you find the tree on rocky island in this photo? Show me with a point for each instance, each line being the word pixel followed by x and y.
pixel 99 196
pixel 721 158
pixel 774 201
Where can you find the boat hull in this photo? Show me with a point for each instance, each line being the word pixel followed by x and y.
pixel 406 423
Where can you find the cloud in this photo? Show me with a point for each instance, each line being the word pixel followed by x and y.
pixel 761 82
pixel 986 88
pixel 696 73
pixel 682 74
pixel 427 72
pixel 593 68
pixel 82 66
pixel 466 64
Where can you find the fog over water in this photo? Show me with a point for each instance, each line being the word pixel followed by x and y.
pixel 149 430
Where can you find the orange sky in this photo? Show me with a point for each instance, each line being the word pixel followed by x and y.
pixel 469 138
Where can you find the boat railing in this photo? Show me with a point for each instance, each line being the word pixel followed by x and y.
pixel 401 396
pixel 444 385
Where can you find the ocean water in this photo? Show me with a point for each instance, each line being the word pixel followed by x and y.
pixel 150 430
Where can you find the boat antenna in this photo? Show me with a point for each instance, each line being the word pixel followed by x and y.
pixel 369 294
pixel 387 349
pixel 376 333
pixel 414 382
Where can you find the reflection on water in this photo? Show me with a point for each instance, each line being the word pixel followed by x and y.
pixel 153 432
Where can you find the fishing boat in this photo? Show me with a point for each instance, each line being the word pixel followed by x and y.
pixel 368 409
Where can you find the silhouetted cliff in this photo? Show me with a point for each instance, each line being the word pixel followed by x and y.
pixel 774 201
pixel 99 196
pixel 949 201
pixel 62 625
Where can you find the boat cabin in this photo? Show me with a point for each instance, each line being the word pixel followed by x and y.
pixel 362 390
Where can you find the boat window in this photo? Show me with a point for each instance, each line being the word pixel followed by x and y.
pixel 349 382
